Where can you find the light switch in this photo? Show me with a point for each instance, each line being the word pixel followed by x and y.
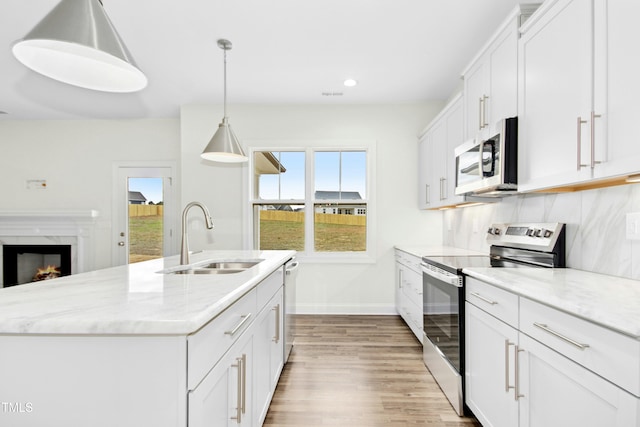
pixel 633 226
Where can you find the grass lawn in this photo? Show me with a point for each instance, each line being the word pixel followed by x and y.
pixel 145 238
pixel 329 237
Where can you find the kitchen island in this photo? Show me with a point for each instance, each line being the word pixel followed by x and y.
pixel 141 345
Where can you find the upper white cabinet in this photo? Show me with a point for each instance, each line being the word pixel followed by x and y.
pixel 437 161
pixel 491 80
pixel 576 89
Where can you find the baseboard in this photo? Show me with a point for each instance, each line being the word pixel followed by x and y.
pixel 379 309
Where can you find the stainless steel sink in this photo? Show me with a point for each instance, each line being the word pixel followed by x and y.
pixel 211 271
pixel 242 265
pixel 214 267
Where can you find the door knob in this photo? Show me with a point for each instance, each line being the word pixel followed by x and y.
pixel 120 243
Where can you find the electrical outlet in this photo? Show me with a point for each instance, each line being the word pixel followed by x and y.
pixel 633 226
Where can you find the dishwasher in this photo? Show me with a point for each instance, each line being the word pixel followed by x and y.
pixel 290 274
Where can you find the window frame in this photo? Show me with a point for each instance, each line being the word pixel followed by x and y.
pixel 310 148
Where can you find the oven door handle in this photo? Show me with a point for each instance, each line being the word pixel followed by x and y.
pixel 443 276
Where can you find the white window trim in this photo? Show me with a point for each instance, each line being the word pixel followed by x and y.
pixel 310 147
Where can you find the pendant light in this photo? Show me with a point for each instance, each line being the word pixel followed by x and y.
pixel 224 146
pixel 76 43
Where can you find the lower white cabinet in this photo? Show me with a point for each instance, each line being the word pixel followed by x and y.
pixel 239 386
pixel 409 291
pixel 538 369
pixel 555 391
pixel 224 397
pixel 489 368
pixel 269 351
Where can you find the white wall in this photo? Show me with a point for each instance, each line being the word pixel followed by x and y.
pixel 596 225
pixel 76 158
pixel 323 288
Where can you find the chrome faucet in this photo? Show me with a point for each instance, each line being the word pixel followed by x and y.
pixel 184 251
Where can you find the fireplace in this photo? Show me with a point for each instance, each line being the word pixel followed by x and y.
pixel 46 230
pixel 28 263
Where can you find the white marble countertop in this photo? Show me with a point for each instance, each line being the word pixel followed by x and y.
pixel 132 299
pixel 612 302
pixel 426 250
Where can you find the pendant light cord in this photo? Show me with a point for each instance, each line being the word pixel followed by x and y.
pixel 225 83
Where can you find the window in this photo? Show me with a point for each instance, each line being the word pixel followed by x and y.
pixel 314 201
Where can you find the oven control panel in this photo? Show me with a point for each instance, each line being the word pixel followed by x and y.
pixel 539 236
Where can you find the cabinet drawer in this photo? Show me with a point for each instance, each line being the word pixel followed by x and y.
pixel 206 347
pixel 408 260
pixel 412 287
pixel 495 301
pixel 269 286
pixel 611 355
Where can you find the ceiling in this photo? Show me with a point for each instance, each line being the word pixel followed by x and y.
pixel 284 51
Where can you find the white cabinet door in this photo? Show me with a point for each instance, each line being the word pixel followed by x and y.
pixel 617 88
pixel 224 397
pixel 476 92
pixel 556 392
pixel 555 97
pixel 503 78
pixel 489 371
pixel 268 354
pixel 437 161
pixel 455 137
pixel 424 171
pixel 491 83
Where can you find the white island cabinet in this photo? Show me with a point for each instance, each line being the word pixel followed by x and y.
pixel 529 364
pixel 130 346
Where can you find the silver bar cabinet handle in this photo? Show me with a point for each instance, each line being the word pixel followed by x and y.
pixel 276 339
pixel 507 387
pixel 244 320
pixel 427 194
pixel 574 343
pixel 238 416
pixel 442 189
pixel 516 380
pixel 579 137
pixel 593 139
pixel 480 121
pixel 244 383
pixel 487 300
pixel 484 112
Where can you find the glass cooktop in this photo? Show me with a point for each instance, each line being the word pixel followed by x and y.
pixel 454 264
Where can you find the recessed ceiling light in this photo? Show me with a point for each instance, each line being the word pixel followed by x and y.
pixel 350 82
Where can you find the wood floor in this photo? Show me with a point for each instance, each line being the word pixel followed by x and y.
pixel 358 371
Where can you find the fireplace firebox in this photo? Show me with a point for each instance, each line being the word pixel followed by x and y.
pixel 28 263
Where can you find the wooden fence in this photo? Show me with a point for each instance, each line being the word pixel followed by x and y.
pixel 145 210
pixel 321 218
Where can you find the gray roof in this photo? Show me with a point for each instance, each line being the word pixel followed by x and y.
pixel 136 196
pixel 338 195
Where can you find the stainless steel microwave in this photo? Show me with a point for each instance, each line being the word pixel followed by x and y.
pixel 489 167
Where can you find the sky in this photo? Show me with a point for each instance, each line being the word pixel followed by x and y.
pixel 151 188
pixel 290 184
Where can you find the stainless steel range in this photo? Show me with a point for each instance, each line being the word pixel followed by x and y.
pixel 512 245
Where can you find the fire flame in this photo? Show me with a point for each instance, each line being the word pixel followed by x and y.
pixel 50 272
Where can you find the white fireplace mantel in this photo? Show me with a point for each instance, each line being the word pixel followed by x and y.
pixel 75 228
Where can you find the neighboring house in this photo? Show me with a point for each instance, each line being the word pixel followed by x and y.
pixel 342 209
pixel 136 198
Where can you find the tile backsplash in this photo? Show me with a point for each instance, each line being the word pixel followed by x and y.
pixel 596 225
